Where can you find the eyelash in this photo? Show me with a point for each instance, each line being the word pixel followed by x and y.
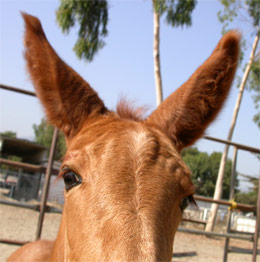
pixel 70 178
pixel 186 202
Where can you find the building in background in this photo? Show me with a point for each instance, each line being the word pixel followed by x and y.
pixel 21 168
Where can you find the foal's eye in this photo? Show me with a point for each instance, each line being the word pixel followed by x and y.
pixel 186 201
pixel 71 179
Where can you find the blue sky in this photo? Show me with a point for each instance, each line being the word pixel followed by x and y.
pixel 124 66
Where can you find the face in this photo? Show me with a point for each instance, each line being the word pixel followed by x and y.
pixel 126 186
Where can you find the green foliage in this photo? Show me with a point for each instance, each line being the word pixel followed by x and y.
pixel 91 17
pixel 254 85
pixel 239 9
pixel 9 134
pixel 43 135
pixel 254 11
pixel 204 169
pixel 250 197
pixel 229 13
pixel 249 11
pixel 178 13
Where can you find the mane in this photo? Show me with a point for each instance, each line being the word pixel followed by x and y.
pixel 127 110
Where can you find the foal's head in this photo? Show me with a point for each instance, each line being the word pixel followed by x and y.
pixel 126 185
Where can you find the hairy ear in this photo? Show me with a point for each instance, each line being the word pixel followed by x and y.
pixel 187 112
pixel 68 100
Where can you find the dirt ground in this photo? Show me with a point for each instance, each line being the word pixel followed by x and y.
pixel 20 224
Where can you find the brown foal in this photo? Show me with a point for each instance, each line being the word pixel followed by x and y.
pixel 126 185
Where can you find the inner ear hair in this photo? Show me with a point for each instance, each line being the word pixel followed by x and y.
pixel 68 100
pixel 188 111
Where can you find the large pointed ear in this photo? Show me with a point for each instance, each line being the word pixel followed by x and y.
pixel 186 113
pixel 68 100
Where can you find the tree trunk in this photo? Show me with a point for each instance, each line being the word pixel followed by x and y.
pixel 219 183
pixel 156 54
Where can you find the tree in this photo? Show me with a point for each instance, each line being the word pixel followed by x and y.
pixel 92 18
pixel 204 170
pixel 247 11
pixel 43 135
pixel 8 133
pixel 254 85
pixel 236 9
pixel 254 77
pixel 178 13
pixel 249 197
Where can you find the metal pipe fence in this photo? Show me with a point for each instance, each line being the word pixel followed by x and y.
pixel 234 205
pixel 44 208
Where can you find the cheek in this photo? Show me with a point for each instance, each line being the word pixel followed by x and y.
pixel 176 215
pixel 76 208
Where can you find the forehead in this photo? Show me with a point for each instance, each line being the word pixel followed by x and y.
pixel 127 148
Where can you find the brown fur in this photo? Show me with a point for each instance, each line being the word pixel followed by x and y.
pixel 38 251
pixel 50 74
pixel 133 178
pixel 186 113
pixel 126 110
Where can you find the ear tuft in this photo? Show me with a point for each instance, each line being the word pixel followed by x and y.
pixel 230 43
pixel 32 24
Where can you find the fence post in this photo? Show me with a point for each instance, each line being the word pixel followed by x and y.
pixel 47 183
pixel 38 185
pixel 256 224
pixel 19 180
pixel 231 196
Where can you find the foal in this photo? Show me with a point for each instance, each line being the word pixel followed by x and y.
pixel 125 183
